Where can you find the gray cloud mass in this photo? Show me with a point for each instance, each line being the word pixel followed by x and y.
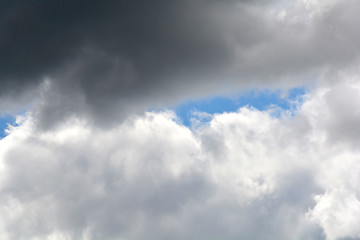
pixel 114 58
pixel 89 159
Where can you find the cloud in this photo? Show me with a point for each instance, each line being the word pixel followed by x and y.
pixel 88 162
pixel 338 212
pixel 112 59
pixel 242 175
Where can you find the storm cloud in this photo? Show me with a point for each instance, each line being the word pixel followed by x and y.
pixel 115 58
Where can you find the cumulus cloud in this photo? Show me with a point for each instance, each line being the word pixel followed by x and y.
pixel 338 212
pixel 244 175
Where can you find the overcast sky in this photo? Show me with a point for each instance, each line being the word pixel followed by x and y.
pixel 95 146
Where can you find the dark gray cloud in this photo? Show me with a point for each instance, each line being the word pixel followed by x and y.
pixel 112 58
pixel 114 50
pixel 38 37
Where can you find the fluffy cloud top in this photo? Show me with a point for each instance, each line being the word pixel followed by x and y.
pixel 245 175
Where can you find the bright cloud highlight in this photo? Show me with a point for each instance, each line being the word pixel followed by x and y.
pixel 244 175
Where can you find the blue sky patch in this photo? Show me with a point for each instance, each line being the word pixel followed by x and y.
pixel 259 99
pixel 202 109
pixel 4 121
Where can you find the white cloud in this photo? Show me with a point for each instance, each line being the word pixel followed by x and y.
pixel 242 175
pixel 338 212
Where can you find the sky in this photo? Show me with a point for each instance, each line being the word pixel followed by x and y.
pixel 4 122
pixel 261 99
pixel 179 119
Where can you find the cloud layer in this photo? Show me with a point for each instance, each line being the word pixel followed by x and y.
pixel 244 175
pixel 115 58
pixel 89 160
